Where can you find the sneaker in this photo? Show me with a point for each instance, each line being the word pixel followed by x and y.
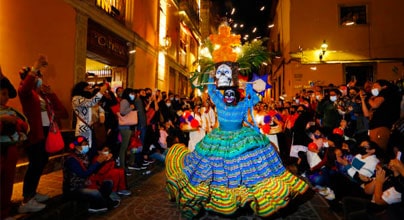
pixel 31 206
pixel 97 210
pixel 124 192
pixel 114 196
pixel 324 191
pixel 330 195
pixel 115 203
pixel 137 167
pixel 41 197
pixel 147 172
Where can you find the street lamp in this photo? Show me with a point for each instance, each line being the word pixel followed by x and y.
pixel 166 42
pixel 324 47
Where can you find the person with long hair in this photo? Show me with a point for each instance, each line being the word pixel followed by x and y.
pixel 84 97
pixel 126 105
pixel 384 111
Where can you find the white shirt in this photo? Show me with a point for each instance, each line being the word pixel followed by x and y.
pixel 368 168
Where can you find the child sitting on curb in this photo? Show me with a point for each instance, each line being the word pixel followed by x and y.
pixel 76 173
pixel 107 171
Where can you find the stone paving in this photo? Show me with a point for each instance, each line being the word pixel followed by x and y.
pixel 149 201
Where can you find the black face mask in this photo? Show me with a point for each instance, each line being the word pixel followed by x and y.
pixel 87 94
pixel 362 151
pixel 345 152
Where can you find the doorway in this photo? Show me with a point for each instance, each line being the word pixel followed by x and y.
pixel 362 72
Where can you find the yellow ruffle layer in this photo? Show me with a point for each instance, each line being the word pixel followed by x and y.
pixel 265 198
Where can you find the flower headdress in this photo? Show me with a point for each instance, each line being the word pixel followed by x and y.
pixel 221 47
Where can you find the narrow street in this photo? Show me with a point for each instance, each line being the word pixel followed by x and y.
pixel 149 200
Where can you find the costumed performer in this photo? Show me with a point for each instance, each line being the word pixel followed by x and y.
pixel 233 166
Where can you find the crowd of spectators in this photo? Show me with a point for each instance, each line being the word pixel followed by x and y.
pixel 346 141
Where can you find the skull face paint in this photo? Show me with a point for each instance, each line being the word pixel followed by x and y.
pixel 224 75
pixel 229 96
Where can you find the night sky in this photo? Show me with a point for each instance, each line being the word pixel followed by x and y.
pixel 251 13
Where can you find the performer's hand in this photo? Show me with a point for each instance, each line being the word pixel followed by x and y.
pixel 249 88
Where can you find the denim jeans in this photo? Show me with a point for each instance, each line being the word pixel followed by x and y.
pixel 126 133
pixel 38 158
pixel 98 198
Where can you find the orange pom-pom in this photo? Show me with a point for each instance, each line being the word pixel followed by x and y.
pixel 266 128
pixel 186 114
pixel 312 147
pixel 194 123
pixel 71 146
pixel 338 131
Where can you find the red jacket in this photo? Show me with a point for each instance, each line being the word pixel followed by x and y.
pixel 30 102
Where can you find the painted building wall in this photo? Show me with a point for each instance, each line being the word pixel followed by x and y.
pixel 304 25
pixel 146 20
pixel 30 28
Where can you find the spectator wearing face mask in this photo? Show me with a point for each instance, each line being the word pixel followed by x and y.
pixel 383 112
pixel 126 105
pixel 330 116
pixel 39 104
pixel 76 175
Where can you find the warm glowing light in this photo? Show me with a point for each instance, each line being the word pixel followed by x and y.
pixel 313 68
pixel 205 52
pixel 217 46
pixel 132 51
pixel 271 26
pixel 324 46
pixel 265 63
pixel 237 50
pixel 232 11
pixel 262 8
pixel 235 25
pixel 254 30
pixel 241 25
pixel 349 23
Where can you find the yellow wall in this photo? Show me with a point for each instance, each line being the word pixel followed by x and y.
pixel 313 21
pixel 303 25
pixel 29 28
pixel 145 20
pixel 323 75
pixel 145 69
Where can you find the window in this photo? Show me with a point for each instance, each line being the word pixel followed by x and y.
pixel 353 15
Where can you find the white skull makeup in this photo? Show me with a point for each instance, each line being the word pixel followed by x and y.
pixel 224 75
pixel 229 96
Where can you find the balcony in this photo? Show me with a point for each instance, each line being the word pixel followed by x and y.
pixel 113 8
pixel 191 10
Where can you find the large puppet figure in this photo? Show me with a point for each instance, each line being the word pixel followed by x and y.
pixel 233 166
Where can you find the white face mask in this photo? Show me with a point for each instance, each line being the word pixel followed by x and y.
pixel 333 98
pixel 132 97
pixel 39 83
pixel 85 149
pixel 168 104
pixel 375 92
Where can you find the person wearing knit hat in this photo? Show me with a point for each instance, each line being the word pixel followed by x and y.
pixel 13 131
pixel 77 182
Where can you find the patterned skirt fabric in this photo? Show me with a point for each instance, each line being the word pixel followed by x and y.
pixel 228 170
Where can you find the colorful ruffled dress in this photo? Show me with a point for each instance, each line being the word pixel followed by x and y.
pixel 233 166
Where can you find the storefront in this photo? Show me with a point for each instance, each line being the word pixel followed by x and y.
pixel 107 56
